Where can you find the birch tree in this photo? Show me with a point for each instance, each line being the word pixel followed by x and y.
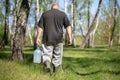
pixel 91 28
pixel 114 26
pixel 36 22
pixel 88 43
pixel 66 35
pixel 73 23
pixel 19 38
pixel 119 24
pixel 13 27
pixel 93 33
pixel 6 26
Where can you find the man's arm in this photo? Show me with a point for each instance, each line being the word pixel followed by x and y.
pixel 69 32
pixel 39 32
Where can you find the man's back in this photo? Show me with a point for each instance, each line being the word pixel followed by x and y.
pixel 52 22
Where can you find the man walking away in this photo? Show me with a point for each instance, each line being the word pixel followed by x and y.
pixel 52 23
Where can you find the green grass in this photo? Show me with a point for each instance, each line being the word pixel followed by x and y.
pixel 99 63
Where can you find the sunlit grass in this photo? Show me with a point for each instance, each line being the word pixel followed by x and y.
pixel 100 63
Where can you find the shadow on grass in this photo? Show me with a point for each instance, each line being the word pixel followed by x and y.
pixel 5 56
pixel 85 50
pixel 75 64
pixel 5 49
pixel 90 65
pixel 96 49
pixel 99 71
pixel 5 53
pixel 28 58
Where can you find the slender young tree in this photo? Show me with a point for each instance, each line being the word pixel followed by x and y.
pixel 66 35
pixel 36 22
pixel 12 34
pixel 119 23
pixel 6 27
pixel 88 43
pixel 114 26
pixel 91 28
pixel 19 38
pixel 73 23
pixel 7 21
pixel 93 33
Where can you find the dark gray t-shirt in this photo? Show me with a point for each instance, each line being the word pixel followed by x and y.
pixel 52 23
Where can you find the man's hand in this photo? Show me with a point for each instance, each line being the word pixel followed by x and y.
pixel 39 31
pixel 38 42
pixel 69 32
pixel 70 42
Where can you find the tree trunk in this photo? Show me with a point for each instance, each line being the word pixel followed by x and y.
pixel 88 43
pixel 91 28
pixel 119 38
pixel 36 22
pixel 73 24
pixel 30 36
pixel 66 35
pixel 12 34
pixel 119 28
pixel 93 33
pixel 113 30
pixel 6 28
pixel 7 22
pixel 19 39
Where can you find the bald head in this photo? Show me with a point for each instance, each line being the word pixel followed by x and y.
pixel 55 6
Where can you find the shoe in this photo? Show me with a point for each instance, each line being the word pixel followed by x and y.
pixel 55 69
pixel 47 67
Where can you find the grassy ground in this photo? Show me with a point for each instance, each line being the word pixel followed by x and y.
pixel 100 63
